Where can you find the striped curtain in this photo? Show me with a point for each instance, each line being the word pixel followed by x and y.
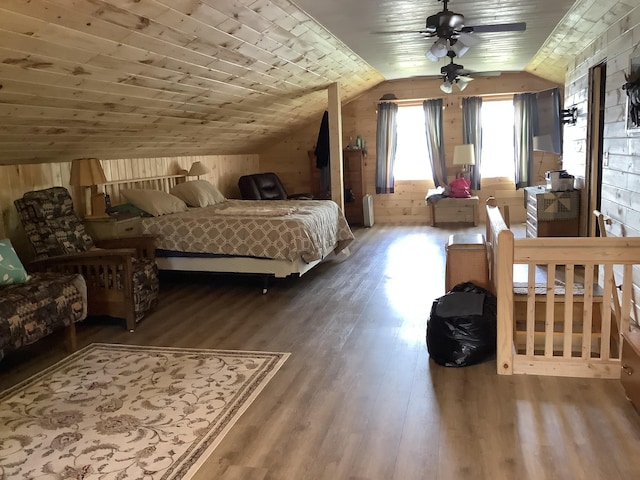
pixel 435 146
pixel 472 133
pixel 386 141
pixel 525 117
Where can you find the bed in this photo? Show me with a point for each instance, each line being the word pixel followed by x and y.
pixel 272 238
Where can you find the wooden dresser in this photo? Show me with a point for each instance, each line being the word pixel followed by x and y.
pixel 552 214
pixel 354 182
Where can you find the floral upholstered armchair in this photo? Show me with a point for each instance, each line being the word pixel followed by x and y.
pixel 33 306
pixel 121 274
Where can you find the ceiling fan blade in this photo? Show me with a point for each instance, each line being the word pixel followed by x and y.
pixel 495 73
pixel 465 78
pixel 426 33
pixel 499 27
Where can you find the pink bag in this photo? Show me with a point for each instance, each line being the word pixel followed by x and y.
pixel 459 188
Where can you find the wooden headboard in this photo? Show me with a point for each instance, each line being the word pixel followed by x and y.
pixel 163 183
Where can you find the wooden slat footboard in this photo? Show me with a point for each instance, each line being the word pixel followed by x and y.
pixel 557 312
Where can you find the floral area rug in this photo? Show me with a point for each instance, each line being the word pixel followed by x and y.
pixel 128 412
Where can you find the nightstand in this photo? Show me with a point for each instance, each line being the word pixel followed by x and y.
pixel 103 228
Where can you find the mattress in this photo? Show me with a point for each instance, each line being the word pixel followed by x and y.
pixel 274 229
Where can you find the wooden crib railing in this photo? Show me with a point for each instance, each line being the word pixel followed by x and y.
pixel 556 312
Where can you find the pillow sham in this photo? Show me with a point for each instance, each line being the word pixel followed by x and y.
pixel 154 202
pixel 198 193
pixel 11 269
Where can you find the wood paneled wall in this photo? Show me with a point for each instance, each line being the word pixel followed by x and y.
pixel 289 157
pixel 15 180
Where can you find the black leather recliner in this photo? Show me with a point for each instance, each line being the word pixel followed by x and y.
pixel 266 186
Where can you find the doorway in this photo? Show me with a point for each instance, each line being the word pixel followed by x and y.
pixel 595 158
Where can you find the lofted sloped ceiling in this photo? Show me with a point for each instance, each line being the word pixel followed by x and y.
pixel 157 78
pixel 386 32
pixel 557 31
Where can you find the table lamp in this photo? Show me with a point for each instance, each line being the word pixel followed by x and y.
pixel 197 169
pixel 464 155
pixel 88 172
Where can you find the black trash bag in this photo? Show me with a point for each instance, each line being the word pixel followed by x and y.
pixel 461 330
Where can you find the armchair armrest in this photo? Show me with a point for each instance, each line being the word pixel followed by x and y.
pixel 144 245
pixel 79 262
pixel 108 273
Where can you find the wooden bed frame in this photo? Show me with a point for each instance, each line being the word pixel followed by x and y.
pixel 567 318
pixel 224 264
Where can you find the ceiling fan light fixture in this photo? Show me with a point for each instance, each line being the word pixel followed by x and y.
pixel 438 50
pixel 431 56
pixel 461 84
pixel 459 48
pixel 446 87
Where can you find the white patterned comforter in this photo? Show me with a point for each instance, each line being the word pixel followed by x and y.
pixel 307 229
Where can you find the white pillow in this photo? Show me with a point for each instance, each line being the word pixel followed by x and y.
pixel 154 202
pixel 198 193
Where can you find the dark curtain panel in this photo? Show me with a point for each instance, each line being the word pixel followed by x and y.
pixel 386 140
pixel 435 146
pixel 472 133
pixel 322 153
pixel 524 106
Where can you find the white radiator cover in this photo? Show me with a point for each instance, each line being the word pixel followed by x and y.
pixel 367 208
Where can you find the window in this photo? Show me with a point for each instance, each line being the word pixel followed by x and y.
pixel 497 139
pixel 412 159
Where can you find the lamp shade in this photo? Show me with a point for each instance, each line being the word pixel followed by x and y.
pixel 438 50
pixel 464 154
pixel 459 48
pixel 86 172
pixel 462 83
pixel 197 169
pixel 446 86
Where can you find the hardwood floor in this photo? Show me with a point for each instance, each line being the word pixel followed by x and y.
pixel 359 398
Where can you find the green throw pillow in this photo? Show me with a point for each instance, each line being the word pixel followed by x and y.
pixel 11 268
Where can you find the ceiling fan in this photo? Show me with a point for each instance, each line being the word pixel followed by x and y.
pixel 454 74
pixel 452 33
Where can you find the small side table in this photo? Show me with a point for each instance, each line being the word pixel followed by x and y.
pixel 454 210
pixel 467 260
pixel 104 228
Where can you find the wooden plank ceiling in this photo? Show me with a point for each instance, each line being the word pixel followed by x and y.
pixel 387 35
pixel 159 78
pixel 557 31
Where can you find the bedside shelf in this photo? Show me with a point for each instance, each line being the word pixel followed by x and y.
pixel 104 228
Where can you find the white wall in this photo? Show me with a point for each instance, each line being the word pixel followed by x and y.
pixel 621 176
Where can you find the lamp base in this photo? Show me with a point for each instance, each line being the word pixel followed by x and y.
pixel 98 206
